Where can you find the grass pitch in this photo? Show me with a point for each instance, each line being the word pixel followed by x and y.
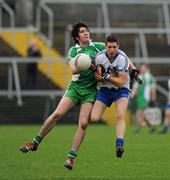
pixel 147 156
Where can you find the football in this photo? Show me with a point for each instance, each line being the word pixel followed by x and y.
pixel 82 62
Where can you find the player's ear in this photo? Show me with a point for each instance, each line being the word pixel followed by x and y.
pixel 77 38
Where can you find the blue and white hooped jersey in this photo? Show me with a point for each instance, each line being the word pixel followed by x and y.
pixel 120 61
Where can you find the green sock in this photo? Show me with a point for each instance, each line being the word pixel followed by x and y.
pixel 72 154
pixel 37 139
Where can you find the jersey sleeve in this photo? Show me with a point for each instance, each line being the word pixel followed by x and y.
pixel 71 53
pixel 98 59
pixel 123 64
pixel 100 46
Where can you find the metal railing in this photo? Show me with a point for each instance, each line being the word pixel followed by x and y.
pixel 37 29
pixel 106 20
pixel 9 10
pixel 13 73
pixel 141 32
pixel 42 6
pixel 49 12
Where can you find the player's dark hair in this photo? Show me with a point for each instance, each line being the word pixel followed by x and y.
pixel 76 29
pixel 111 38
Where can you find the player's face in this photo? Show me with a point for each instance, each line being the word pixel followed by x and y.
pixel 143 69
pixel 111 48
pixel 84 36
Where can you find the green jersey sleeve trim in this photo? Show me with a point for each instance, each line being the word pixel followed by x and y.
pixel 71 53
pixel 99 45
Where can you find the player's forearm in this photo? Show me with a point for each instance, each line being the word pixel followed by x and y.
pixel 131 65
pixel 73 69
pixel 117 81
pixel 133 92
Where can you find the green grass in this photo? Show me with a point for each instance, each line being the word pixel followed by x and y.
pixel 147 156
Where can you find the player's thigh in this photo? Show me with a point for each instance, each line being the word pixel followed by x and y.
pixel 97 111
pixel 167 112
pixel 121 106
pixel 167 115
pixel 85 111
pixel 64 106
pixel 141 115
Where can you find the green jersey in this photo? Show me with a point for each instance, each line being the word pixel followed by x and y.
pixel 144 90
pixel 85 79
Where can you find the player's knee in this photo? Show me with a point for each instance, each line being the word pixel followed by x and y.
pixel 94 118
pixel 120 116
pixel 83 124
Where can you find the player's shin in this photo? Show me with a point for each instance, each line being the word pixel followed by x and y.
pixel 120 131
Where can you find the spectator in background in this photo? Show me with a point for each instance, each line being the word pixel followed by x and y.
pixel 31 76
pixel 144 96
pixel 167 114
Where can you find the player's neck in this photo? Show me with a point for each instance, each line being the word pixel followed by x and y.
pixel 111 58
pixel 83 45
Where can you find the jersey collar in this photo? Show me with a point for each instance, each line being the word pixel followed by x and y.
pixel 77 46
pixel 112 60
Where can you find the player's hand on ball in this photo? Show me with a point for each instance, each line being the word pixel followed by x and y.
pixel 29 147
pixel 93 67
pixel 98 77
pixel 100 71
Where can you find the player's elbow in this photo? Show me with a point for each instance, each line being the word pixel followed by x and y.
pixel 74 71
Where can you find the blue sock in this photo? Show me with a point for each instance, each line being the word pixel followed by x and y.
pixel 165 128
pixel 119 142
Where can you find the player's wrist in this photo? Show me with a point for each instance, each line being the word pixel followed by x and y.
pixel 106 76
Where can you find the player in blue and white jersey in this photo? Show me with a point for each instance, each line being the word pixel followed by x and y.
pixel 113 74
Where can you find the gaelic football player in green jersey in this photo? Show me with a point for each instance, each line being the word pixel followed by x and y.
pixel 144 95
pixel 81 91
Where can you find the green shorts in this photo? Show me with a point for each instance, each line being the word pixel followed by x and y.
pixel 80 96
pixel 141 104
